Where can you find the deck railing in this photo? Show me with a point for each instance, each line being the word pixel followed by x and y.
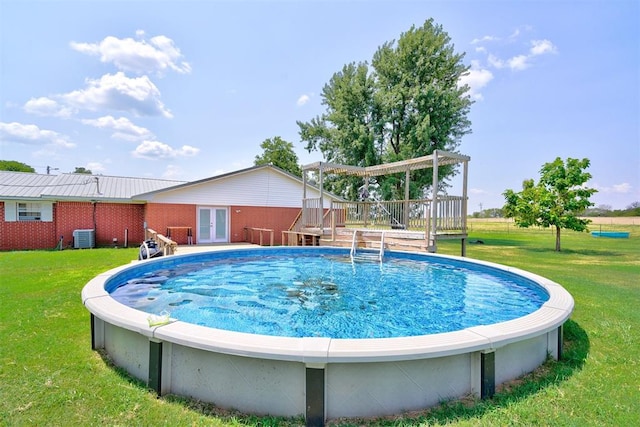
pixel 312 213
pixel 450 215
pixel 402 214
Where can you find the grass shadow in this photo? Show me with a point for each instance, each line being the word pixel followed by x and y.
pixel 491 241
pixel 488 242
pixel 582 252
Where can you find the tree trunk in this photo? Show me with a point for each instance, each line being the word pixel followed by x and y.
pixel 557 238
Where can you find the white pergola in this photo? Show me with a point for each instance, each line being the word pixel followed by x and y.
pixel 432 161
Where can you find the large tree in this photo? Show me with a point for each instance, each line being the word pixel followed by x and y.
pixel 345 133
pixel 278 152
pixel 556 200
pixel 15 166
pixel 407 104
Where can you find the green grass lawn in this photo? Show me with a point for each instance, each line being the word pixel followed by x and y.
pixel 50 376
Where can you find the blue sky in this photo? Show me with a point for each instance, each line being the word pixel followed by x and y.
pixel 190 89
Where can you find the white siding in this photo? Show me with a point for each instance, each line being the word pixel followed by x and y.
pixel 10 211
pixel 46 211
pixel 262 187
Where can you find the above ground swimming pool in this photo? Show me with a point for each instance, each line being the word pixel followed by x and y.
pixel 306 331
pixel 295 294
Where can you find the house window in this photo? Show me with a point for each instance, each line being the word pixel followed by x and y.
pixel 29 212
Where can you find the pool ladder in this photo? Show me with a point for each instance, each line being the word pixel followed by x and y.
pixel 366 255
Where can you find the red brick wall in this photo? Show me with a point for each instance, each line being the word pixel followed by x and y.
pixel 21 235
pixel 114 218
pixel 73 216
pixel 111 220
pixel 276 219
pixel 159 216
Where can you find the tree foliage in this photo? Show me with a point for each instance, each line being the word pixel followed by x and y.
pixel 407 104
pixel 278 152
pixel 83 170
pixel 15 166
pixel 556 200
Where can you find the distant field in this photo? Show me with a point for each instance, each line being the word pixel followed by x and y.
pixel 629 223
pixel 620 220
pixel 616 220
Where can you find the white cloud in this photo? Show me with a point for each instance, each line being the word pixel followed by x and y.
pixel 160 150
pixel 495 62
pixel 172 172
pixel 156 54
pixel 303 100
pixel 95 167
pixel 123 128
pixel 32 135
pixel 476 78
pixel 478 191
pixel 121 93
pixel 515 34
pixel 623 188
pixel 47 107
pixel 484 39
pixel 540 47
pixel 518 63
pixel 188 151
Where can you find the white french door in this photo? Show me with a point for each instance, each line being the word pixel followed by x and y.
pixel 213 225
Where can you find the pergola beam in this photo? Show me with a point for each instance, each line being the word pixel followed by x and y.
pixel 418 163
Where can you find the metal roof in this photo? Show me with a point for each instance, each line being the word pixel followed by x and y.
pixel 424 162
pixel 24 185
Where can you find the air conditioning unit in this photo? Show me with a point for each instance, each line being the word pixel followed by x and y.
pixel 84 239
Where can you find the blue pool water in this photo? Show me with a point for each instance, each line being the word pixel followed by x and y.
pixel 311 293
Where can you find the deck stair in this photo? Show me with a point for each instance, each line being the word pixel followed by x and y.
pixel 366 254
pixel 400 240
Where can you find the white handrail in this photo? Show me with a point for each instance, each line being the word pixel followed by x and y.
pixel 381 246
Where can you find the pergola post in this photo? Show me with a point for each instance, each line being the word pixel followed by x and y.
pixel 304 185
pixel 432 247
pixel 406 198
pixel 321 207
pixel 463 241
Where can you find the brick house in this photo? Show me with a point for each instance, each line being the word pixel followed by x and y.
pixel 43 211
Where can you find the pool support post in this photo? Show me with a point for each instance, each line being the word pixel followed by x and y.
pixel 314 391
pixel 560 341
pixel 487 374
pixel 93 332
pixel 155 366
pixel 97 332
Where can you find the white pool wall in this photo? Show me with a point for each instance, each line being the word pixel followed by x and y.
pixel 362 377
